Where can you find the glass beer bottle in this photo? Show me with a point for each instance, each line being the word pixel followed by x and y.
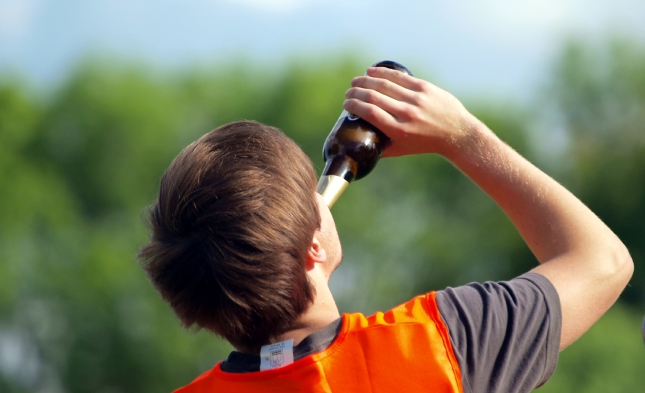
pixel 351 150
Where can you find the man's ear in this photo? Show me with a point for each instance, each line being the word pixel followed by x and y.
pixel 316 252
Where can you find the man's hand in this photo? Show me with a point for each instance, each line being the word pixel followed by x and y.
pixel 418 116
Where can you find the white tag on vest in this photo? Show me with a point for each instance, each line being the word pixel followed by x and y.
pixel 276 355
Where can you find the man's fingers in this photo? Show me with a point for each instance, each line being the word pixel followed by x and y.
pixel 369 112
pixel 374 114
pixel 383 86
pixel 397 77
pixel 392 83
pixel 383 101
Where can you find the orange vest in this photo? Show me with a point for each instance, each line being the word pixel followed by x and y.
pixel 406 349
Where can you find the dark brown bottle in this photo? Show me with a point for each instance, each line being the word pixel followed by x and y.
pixel 351 150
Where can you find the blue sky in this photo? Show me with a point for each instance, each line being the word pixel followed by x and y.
pixel 497 47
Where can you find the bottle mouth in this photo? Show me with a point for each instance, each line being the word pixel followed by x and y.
pixel 331 187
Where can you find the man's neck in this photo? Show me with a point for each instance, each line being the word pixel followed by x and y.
pixel 321 313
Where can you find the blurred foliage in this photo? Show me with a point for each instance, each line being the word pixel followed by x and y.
pixel 78 164
pixel 600 100
pixel 608 358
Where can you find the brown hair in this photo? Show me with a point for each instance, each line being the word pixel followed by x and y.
pixel 234 219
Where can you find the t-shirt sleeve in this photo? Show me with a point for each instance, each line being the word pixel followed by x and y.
pixel 505 335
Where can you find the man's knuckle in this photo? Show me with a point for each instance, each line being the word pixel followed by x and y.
pixel 371 96
pixel 371 112
pixel 409 113
pixel 421 85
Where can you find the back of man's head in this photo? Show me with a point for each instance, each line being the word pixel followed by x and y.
pixel 234 219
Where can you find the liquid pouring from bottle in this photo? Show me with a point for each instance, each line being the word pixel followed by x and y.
pixel 351 150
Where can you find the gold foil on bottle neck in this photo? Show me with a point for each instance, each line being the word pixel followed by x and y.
pixel 330 188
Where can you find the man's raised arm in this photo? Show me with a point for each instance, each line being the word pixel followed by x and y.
pixel 585 261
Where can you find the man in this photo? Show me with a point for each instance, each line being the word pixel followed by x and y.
pixel 242 246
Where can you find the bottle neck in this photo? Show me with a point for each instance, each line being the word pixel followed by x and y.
pixel 331 188
pixel 341 166
pixel 335 178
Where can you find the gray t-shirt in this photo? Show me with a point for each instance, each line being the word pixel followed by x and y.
pixel 506 335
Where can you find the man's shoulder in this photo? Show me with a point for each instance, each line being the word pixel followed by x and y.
pixel 520 293
pixel 422 308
